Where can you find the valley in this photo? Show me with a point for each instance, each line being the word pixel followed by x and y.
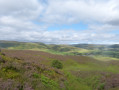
pixel 29 66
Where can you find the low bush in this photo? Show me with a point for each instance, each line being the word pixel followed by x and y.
pixel 48 82
pixel 2 60
pixel 57 64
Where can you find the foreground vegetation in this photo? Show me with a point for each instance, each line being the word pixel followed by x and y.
pixel 35 70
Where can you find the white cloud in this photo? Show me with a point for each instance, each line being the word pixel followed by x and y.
pixel 72 11
pixel 24 9
pixel 17 16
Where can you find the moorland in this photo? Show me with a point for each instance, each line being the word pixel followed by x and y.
pixel 39 66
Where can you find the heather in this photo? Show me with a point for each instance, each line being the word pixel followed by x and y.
pixel 34 70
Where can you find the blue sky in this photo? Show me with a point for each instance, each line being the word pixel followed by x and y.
pixel 60 21
pixel 76 27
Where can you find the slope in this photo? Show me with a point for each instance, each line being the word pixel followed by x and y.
pixel 78 72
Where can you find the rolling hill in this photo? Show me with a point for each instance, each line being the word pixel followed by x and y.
pixel 33 70
pixel 29 66
pixel 92 50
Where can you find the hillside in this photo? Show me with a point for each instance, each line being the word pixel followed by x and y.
pixel 100 50
pixel 32 70
pixel 27 74
pixel 93 50
pixel 91 46
pixel 51 48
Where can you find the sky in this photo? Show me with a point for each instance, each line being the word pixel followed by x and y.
pixel 60 21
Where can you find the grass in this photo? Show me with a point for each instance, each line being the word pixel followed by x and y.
pixel 102 58
pixel 73 65
pixel 78 72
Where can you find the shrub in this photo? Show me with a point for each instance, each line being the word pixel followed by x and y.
pixel 57 64
pixel 48 82
pixel 35 75
pixel 1 60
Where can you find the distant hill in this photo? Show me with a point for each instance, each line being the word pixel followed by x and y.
pixel 114 46
pixel 57 49
pixel 76 49
pixel 91 46
pixel 21 45
pixel 61 48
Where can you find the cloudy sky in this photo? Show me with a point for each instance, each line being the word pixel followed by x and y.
pixel 60 21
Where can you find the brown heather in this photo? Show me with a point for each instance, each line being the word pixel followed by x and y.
pixel 31 70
